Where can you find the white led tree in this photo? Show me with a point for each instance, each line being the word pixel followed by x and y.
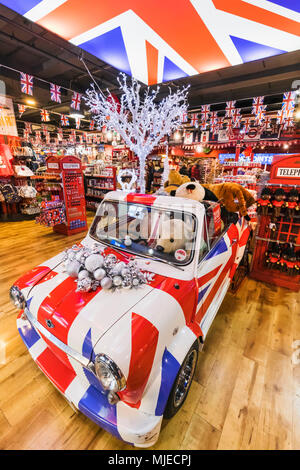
pixel 140 119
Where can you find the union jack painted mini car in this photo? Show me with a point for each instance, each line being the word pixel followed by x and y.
pixel 126 358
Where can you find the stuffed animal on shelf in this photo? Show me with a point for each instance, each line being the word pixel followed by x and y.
pixel 225 193
pixel 277 203
pixel 291 205
pixel 273 256
pixel 174 235
pixel 175 180
pixel 263 203
pixel 288 260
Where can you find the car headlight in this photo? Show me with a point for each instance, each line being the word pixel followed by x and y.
pixel 109 373
pixel 17 297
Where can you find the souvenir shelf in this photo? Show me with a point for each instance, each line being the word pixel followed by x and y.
pixel 62 192
pixel 276 257
pixel 98 185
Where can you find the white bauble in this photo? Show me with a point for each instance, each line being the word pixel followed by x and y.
pixel 99 274
pixel 118 268
pixel 93 262
pixel 125 272
pixel 117 281
pixel 83 274
pixel 128 241
pixel 73 268
pixel 135 282
pixel 106 283
pixel 78 255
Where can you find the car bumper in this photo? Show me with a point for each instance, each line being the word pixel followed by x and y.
pixel 124 422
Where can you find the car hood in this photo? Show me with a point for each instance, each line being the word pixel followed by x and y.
pixel 78 319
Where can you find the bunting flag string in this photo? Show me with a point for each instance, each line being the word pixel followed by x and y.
pixel 230 106
pixel 64 120
pixel 55 93
pixel 76 99
pixel 257 104
pixel 45 115
pixel 21 109
pixel 26 83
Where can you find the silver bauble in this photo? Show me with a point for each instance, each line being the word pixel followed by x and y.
pixel 118 268
pixel 83 274
pixel 125 272
pixel 106 283
pixel 73 268
pixel 78 255
pixel 135 282
pixel 117 281
pixel 93 262
pixel 99 274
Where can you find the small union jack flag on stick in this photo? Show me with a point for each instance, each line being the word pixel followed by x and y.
pixel 21 109
pixel 45 115
pixel 76 99
pixel 55 93
pixel 64 120
pixel 26 83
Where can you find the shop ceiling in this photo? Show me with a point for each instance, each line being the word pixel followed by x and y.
pixel 29 47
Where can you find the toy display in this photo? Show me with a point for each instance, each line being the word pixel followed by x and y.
pixel 292 204
pixel 263 203
pixel 277 203
pixel 175 180
pixel 124 316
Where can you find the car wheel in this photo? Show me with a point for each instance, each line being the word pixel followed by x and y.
pixel 182 382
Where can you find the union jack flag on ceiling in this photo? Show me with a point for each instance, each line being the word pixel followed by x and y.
pixel 45 115
pixel 76 99
pixel 141 38
pixel 257 104
pixel 64 120
pixel 26 83
pixel 55 93
pixel 230 107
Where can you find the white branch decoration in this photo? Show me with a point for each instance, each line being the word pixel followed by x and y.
pixel 140 121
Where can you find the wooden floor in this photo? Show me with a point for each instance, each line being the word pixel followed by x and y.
pixel 246 392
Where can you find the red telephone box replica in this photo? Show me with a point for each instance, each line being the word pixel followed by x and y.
pixel 70 170
pixel 285 174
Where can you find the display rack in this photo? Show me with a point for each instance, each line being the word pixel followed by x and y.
pixel 283 231
pixel 97 186
pixel 65 210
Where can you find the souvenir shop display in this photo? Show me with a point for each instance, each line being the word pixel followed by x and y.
pixel 64 206
pixel 277 241
pixel 98 184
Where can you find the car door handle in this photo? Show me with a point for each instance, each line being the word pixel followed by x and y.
pixel 234 241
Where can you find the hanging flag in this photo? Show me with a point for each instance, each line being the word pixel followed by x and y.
pixel 267 122
pixel 55 93
pixel 205 111
pixel 288 101
pixel 45 115
pixel 78 121
pixel 85 136
pixel 230 107
pixel 21 109
pixel 26 83
pixel 92 125
pixel 44 129
pixel 203 125
pixel 213 116
pixel 184 117
pixel 281 116
pixel 60 135
pixel 257 104
pixel 214 128
pixel 289 122
pixel 38 137
pixel 194 120
pixel 64 120
pixel 76 99
pixel 220 122
pixel 247 124
pixel 236 121
pixel 28 127
pixel 260 116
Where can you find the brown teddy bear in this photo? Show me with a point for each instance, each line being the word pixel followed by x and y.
pixel 232 196
pixel 175 180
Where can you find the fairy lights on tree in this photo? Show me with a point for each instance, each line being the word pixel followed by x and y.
pixel 140 120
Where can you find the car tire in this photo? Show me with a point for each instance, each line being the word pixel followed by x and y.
pixel 182 382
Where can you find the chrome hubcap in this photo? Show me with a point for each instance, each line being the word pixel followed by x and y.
pixel 185 377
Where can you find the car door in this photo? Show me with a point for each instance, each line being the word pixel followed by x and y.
pixel 214 270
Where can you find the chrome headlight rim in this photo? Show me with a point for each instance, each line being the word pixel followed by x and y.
pixel 113 369
pixel 17 297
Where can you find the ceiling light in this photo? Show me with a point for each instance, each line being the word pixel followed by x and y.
pixel 30 102
pixel 286 146
pixel 76 115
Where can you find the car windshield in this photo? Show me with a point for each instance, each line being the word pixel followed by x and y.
pixel 167 235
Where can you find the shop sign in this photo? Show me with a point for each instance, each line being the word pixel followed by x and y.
pixel 288 172
pixel 7 117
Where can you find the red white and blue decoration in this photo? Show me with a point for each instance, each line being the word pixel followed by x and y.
pixel 26 83
pixel 159 41
pixel 45 117
pixel 76 100
pixel 55 93
pixel 64 120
